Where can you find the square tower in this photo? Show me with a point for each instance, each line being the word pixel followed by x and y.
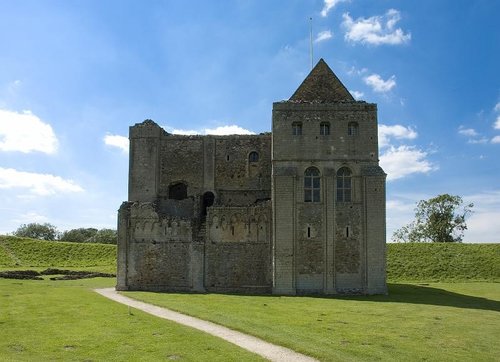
pixel 328 191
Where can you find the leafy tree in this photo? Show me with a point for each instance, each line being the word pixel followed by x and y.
pixel 90 235
pixel 106 236
pixel 37 231
pixel 81 235
pixel 440 219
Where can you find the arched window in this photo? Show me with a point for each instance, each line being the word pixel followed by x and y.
pixel 344 185
pixel 352 129
pixel 324 128
pixel 253 157
pixel 311 185
pixel 177 191
pixel 297 128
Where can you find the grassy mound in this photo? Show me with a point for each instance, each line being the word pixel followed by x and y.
pixel 443 262
pixel 23 252
pixel 405 262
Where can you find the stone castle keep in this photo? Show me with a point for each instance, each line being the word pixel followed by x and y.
pixel 298 211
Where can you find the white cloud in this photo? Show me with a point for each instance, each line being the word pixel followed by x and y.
pixel 30 217
pixel 37 183
pixel 117 141
pixel 218 131
pixel 356 71
pixel 476 141
pixel 25 132
pixel 399 162
pixel 323 35
pixel 357 94
pixel 497 107
pixel 397 131
pixel 228 130
pixel 329 5
pixel 471 132
pixel 375 30
pixel 378 84
pixel 496 125
pixel 495 139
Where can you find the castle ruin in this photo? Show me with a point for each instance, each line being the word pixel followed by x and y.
pixel 298 211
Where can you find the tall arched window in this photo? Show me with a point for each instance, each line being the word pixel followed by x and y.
pixel 352 129
pixel 312 185
pixel 344 188
pixel 253 157
pixel 324 128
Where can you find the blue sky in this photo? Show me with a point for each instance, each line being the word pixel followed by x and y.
pixel 74 75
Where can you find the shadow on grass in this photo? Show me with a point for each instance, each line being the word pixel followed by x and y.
pixel 421 294
pixel 398 293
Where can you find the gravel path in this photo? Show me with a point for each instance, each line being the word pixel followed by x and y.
pixel 265 349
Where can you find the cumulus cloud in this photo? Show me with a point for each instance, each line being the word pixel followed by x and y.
pixel 25 132
pixel 218 131
pixel 379 85
pixel 329 5
pixel 496 125
pixel 323 35
pixel 375 30
pixel 36 183
pixel 497 107
pixel 401 161
pixel 357 94
pixel 471 132
pixel 118 141
pixel 386 133
pixel 495 139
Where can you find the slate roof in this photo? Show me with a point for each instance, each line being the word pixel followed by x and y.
pixel 321 86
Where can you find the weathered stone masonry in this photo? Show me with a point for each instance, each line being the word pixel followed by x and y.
pixel 300 210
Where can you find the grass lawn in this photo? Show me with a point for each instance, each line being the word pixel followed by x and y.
pixel 67 321
pixel 438 321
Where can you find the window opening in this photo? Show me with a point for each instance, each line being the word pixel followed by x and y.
pixel 347 231
pixel 227 157
pixel 232 230
pixel 207 201
pixel 312 185
pixel 177 191
pixel 344 186
pixel 253 157
pixel 308 231
pixel 352 129
pixel 297 128
pixel 324 129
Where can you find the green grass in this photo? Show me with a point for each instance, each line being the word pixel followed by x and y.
pixel 67 321
pixel 16 253
pixel 443 262
pixel 439 322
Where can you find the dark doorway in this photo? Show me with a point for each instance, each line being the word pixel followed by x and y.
pixel 207 201
pixel 177 191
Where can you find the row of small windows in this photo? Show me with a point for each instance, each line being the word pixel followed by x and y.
pixel 324 128
pixel 312 185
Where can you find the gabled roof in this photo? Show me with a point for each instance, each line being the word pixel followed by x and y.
pixel 321 85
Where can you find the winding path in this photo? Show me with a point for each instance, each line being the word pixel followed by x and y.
pixel 264 349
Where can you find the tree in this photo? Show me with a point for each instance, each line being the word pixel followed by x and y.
pixel 81 235
pixel 90 235
pixel 440 219
pixel 37 231
pixel 106 236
